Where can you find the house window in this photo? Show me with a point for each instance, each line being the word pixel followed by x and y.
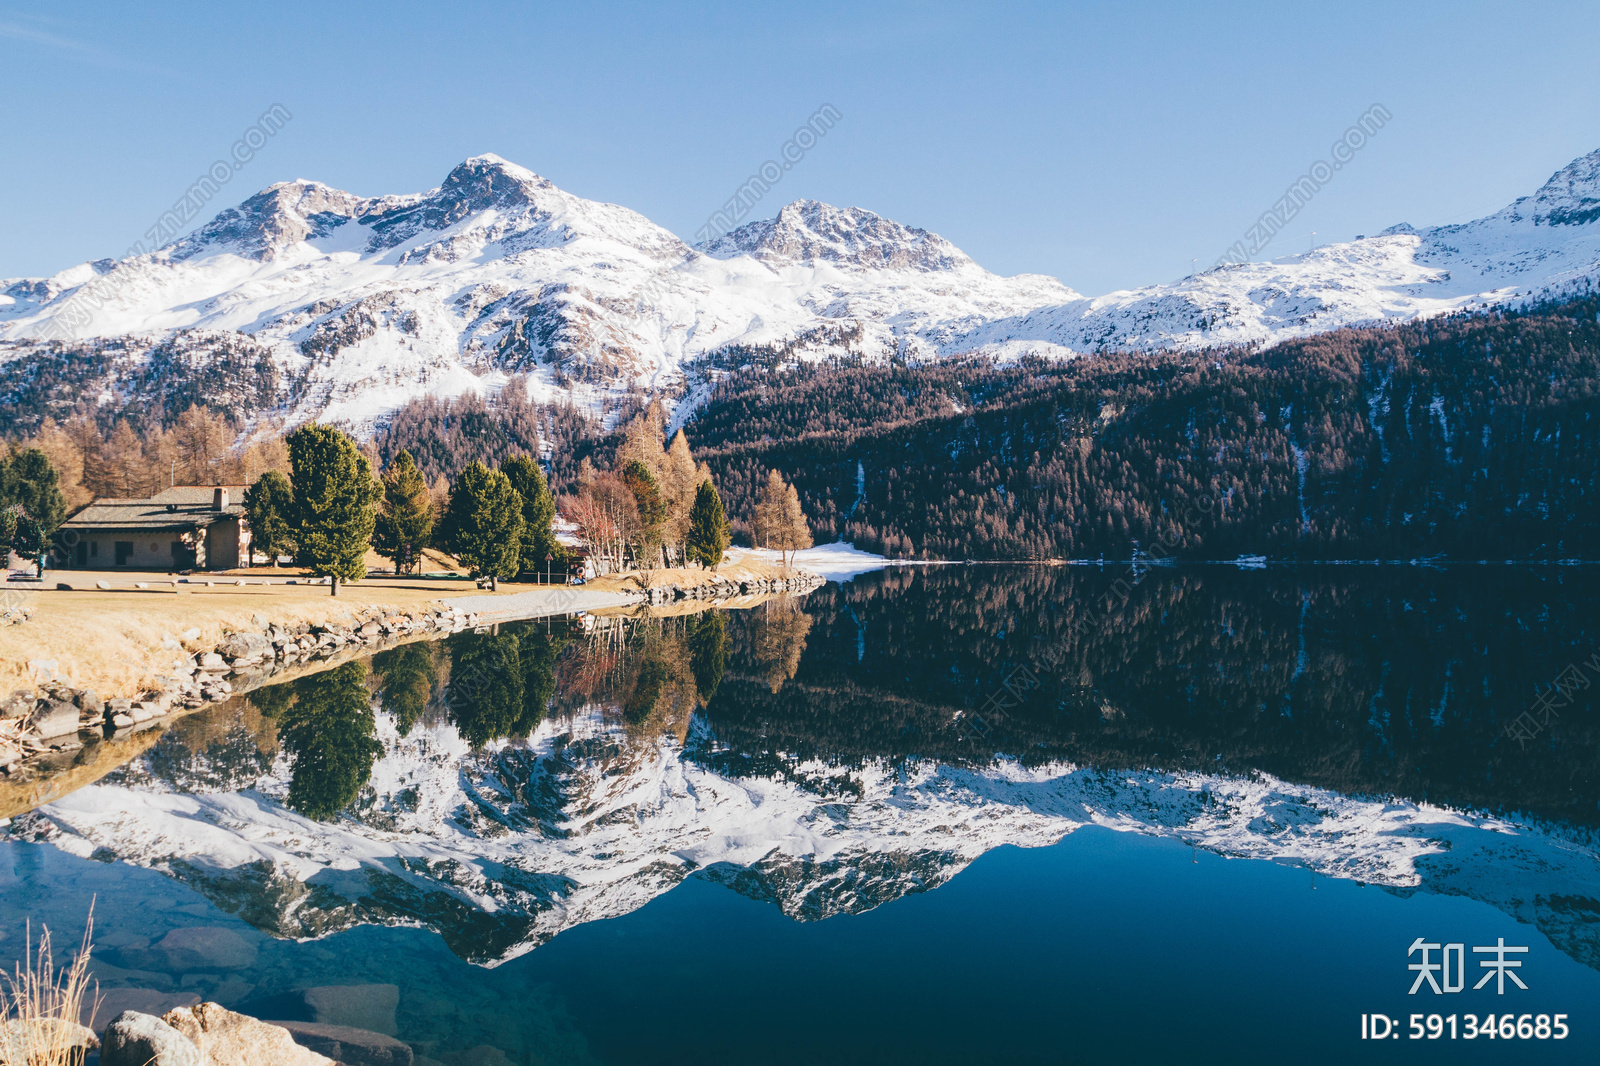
pixel 124 548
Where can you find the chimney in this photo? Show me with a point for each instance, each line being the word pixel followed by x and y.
pixel 219 499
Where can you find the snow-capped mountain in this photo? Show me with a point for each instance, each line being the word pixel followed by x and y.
pixel 501 851
pixel 315 303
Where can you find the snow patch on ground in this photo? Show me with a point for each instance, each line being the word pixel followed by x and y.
pixel 839 561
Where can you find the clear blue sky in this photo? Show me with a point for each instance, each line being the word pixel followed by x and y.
pixel 1104 144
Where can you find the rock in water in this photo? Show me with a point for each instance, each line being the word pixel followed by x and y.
pixel 113 1001
pixel 361 1006
pixel 229 1039
pixel 134 1039
pixel 207 947
pixel 353 1047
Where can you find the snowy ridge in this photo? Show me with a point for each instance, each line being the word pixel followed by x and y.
pixel 583 823
pixel 360 304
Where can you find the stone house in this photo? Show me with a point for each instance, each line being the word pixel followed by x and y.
pixel 187 527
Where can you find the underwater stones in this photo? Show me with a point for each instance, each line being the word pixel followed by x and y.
pixel 369 1007
pixel 349 1045
pixel 207 947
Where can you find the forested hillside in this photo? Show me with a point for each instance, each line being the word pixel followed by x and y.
pixel 1471 436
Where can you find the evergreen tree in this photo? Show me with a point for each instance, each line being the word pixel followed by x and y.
pixel 485 522
pixel 28 480
pixel 31 488
pixel 540 549
pixel 708 527
pixel 334 493
pixel 269 504
pixel 405 524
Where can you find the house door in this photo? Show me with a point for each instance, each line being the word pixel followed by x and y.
pixel 124 549
pixel 182 556
pixel 81 554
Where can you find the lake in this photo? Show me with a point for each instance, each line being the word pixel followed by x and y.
pixel 968 814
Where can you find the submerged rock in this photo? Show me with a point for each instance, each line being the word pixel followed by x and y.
pixel 370 1007
pixel 207 947
pixel 351 1046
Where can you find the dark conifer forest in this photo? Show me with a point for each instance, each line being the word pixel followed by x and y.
pixel 1469 436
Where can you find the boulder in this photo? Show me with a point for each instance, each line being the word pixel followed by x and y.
pixel 134 1039
pixel 56 718
pixel 369 1007
pixel 243 645
pixel 228 1039
pixel 351 1046
pixel 211 661
pixel 90 703
pixel 207 947
pixel 35 1040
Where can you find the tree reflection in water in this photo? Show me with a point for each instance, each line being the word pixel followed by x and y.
pixel 708 651
pixel 408 677
pixel 328 729
pixel 501 684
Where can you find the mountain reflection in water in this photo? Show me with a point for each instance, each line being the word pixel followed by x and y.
pixel 833 753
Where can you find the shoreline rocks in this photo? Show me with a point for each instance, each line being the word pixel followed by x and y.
pixel 54 721
pixel 724 588
pixel 207 1034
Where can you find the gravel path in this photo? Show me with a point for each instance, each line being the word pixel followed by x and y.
pixel 539 603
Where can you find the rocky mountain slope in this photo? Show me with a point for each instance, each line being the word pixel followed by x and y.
pixel 312 303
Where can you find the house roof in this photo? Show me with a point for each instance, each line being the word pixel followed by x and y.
pixel 180 507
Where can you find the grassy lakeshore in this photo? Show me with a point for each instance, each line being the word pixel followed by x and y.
pixel 118 641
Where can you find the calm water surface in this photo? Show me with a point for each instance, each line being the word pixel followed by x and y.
pixel 923 816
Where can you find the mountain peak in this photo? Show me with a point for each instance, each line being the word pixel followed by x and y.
pixel 1572 195
pixel 810 232
pixel 274 218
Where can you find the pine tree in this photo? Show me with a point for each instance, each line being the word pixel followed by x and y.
pixel 485 522
pixel 708 527
pixel 269 504
pixel 29 480
pixel 405 524
pixel 334 493
pixel 539 545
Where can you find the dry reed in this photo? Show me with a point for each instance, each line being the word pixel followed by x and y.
pixel 41 1004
